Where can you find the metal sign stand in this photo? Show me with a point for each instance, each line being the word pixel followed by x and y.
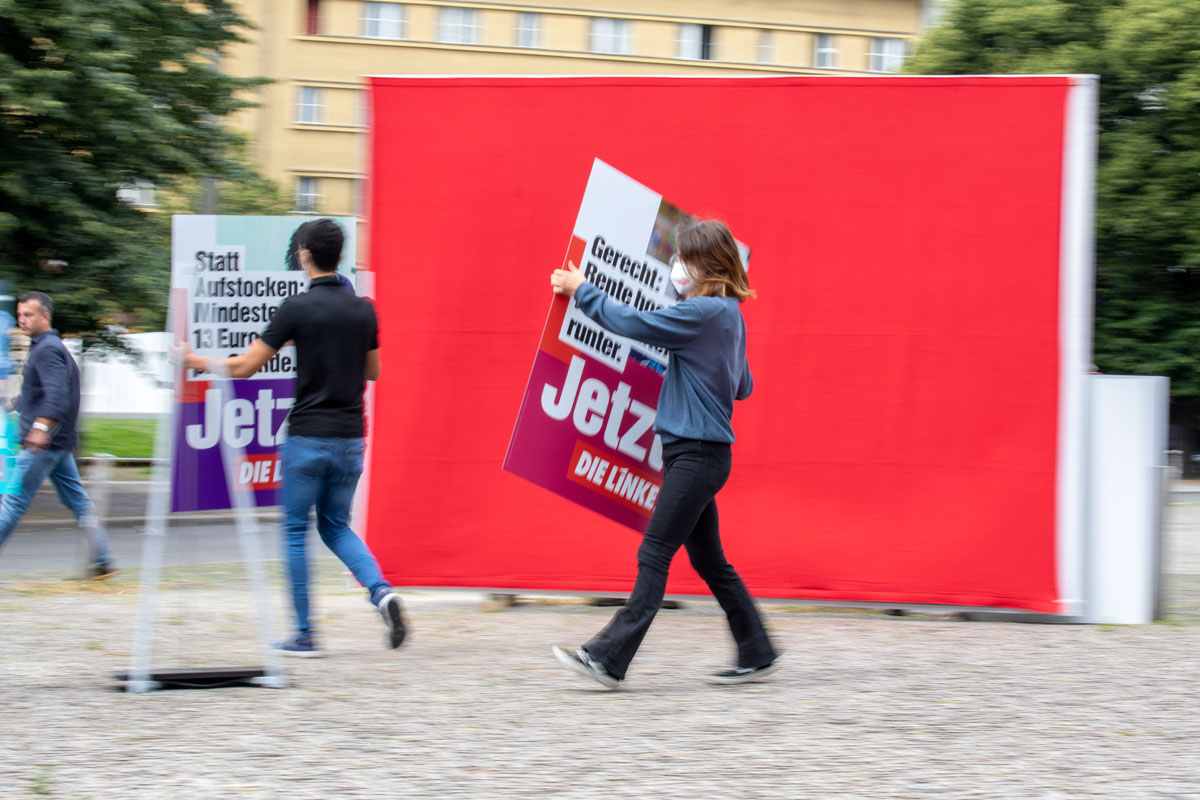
pixel 141 677
pixel 100 475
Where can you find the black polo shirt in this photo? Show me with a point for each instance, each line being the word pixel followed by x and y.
pixel 333 331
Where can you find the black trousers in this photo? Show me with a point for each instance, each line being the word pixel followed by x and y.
pixel 685 515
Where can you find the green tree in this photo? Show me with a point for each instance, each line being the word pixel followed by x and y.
pixel 1147 54
pixel 241 191
pixel 99 96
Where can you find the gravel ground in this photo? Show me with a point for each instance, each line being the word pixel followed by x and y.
pixel 867 706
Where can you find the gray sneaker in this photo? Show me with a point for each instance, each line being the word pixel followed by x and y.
pixel 585 665
pixel 731 677
pixel 102 571
pixel 299 646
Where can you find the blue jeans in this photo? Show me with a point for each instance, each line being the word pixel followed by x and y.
pixel 34 466
pixel 323 472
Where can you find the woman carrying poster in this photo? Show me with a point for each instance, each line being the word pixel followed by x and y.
pixel 707 372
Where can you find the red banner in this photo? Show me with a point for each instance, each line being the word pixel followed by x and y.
pixel 904 442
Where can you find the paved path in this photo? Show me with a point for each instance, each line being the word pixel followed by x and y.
pixel 125 500
pixel 1181 536
pixel 62 551
pixel 59 548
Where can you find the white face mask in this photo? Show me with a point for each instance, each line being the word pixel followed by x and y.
pixel 680 278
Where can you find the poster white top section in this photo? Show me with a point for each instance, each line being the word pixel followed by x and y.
pixel 628 232
pixel 233 273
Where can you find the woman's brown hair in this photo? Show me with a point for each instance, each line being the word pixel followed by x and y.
pixel 711 255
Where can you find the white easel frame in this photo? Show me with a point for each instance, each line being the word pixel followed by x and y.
pixel 141 676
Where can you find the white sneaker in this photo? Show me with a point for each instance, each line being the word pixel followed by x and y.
pixel 585 665
pixel 392 611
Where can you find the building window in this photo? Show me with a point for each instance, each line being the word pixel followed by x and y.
pixel 765 51
pixel 308 105
pixel 932 12
pixel 384 21
pixel 825 52
pixel 695 41
pixel 312 18
pixel 458 25
pixel 609 36
pixel 887 55
pixel 362 114
pixel 307 194
pixel 529 30
pixel 358 200
pixel 139 194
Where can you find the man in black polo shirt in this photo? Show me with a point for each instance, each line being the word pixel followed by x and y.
pixel 337 351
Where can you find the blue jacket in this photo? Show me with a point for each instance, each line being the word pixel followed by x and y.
pixel 707 370
pixel 50 388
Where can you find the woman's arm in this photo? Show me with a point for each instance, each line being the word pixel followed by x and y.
pixel 746 384
pixel 670 327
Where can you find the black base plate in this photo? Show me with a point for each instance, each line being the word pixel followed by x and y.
pixel 605 601
pixel 202 678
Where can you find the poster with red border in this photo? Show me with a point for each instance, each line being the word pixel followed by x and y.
pixel 585 429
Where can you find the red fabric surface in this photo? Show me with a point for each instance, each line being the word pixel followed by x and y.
pixel 901 441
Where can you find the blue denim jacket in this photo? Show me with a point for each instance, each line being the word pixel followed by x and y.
pixel 707 369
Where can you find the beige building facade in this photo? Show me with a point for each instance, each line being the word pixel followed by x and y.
pixel 308 131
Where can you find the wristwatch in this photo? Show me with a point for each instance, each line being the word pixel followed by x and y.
pixel 41 426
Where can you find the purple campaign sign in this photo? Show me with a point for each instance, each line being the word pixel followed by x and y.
pixel 252 420
pixel 585 428
pixel 585 431
pixel 229 276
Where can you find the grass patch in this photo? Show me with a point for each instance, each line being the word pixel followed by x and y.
pixel 42 783
pixel 57 587
pixel 134 473
pixel 122 437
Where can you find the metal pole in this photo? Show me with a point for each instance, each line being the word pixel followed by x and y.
pixel 152 549
pixel 208 195
pixel 101 478
pixel 242 503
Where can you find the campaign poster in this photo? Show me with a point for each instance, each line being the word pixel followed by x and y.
pixel 585 429
pixel 229 275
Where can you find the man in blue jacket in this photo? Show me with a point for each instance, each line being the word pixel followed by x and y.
pixel 49 412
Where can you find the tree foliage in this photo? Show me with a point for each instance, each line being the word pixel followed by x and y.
pixel 1147 54
pixel 95 96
